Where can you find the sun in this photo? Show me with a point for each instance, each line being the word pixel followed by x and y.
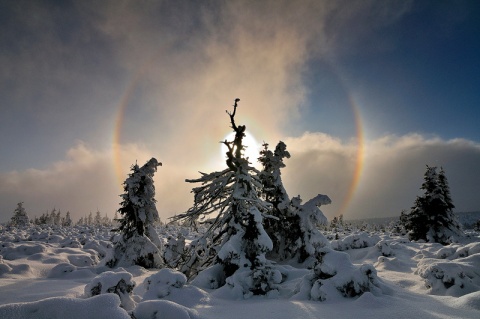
pixel 252 147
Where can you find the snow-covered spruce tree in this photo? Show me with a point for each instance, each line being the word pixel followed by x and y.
pixel 431 217
pixel 20 217
pixel 238 240
pixel 68 220
pixel 174 251
pixel 138 242
pixel 273 192
pixel 294 227
pixel 308 239
pixel 97 220
pixel 333 274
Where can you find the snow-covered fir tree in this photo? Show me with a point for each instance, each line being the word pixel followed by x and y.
pixel 105 221
pixel 49 218
pixel 81 221
pixel 20 217
pixel 273 192
pixel 294 228
pixel 68 220
pixel 97 219
pixel 238 241
pixel 296 236
pixel 431 218
pixel 57 218
pixel 138 242
pixel 309 239
pixel 89 219
pixel 174 250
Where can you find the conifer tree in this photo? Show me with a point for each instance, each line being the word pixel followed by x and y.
pixel 431 217
pixel 90 219
pixel 138 242
pixel 57 218
pixel 273 192
pixel 68 220
pixel 20 217
pixel 97 219
pixel 308 239
pixel 294 226
pixel 238 241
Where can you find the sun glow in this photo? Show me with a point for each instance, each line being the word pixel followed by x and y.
pixel 252 147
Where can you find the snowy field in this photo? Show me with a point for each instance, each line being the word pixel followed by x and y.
pixel 49 272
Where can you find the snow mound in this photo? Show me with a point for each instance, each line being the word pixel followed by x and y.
pixel 162 283
pixel 334 277
pixel 67 270
pixel 163 309
pixel 212 277
pixel 239 285
pixel 355 241
pixel 12 270
pixel 471 300
pixel 104 306
pixel 11 251
pixel 455 251
pixel 451 278
pixel 119 283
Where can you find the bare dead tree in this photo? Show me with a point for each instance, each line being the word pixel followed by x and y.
pixel 235 147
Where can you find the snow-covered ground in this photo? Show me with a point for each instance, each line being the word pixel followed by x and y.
pixel 52 272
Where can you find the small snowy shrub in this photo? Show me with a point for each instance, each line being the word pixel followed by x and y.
pixel 246 282
pixel 450 278
pixel 385 249
pixel 335 276
pixel 445 252
pixel 355 241
pixel 119 283
pixel 70 243
pixel 174 250
pixel 136 250
pixel 161 284
pixel 309 240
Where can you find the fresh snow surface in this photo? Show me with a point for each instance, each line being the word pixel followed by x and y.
pixel 49 273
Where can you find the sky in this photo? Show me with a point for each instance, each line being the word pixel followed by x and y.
pixel 364 93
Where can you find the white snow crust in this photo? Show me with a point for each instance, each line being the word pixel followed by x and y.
pixel 47 272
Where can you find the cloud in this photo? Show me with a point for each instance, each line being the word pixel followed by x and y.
pixel 81 183
pixel 177 67
pixel 392 173
pixel 187 67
